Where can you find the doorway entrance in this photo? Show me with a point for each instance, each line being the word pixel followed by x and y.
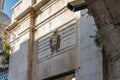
pixel 68 77
pixel 65 76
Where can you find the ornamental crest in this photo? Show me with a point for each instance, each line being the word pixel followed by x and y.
pixel 55 42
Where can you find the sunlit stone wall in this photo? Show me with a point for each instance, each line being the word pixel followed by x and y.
pixel 32 56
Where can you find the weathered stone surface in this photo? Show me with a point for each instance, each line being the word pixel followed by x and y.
pixel 107 17
pixel 84 59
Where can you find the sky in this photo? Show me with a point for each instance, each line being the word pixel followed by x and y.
pixel 8 5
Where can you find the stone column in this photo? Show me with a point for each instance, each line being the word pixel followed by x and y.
pixel 1 5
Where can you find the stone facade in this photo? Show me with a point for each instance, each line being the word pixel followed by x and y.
pixel 33 27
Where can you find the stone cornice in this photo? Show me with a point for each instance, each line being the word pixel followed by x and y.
pixel 20 34
pixel 40 4
pixel 15 40
pixel 51 17
pixel 28 10
pixel 16 4
pixel 20 16
pixel 24 32
pixel 26 17
pixel 12 25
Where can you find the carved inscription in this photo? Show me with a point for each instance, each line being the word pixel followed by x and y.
pixel 44 47
pixel 64 39
pixel 68 37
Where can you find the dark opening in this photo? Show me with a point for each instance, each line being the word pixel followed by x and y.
pixel 61 75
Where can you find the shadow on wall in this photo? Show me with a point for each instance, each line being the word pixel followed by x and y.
pixel 19 62
pixel 90 56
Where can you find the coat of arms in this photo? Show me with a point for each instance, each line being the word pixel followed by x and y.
pixel 55 42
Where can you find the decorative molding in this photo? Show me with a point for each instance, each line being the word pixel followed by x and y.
pixel 24 18
pixel 24 32
pixel 25 12
pixel 40 4
pixel 20 1
pixel 51 17
pixel 35 8
pixel 15 40
pixel 72 21
pixel 12 25
pixel 21 34
pixel 48 5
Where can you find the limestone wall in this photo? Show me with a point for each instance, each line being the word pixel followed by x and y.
pixel 18 68
pixel 90 63
pixel 20 7
pixel 91 59
pixel 77 51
